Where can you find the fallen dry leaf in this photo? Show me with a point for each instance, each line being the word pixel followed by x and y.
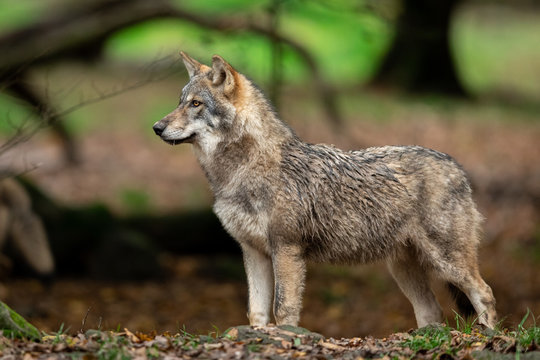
pixel 331 346
pixel 132 337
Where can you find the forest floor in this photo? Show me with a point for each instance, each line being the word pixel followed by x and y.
pixel 284 342
pixel 130 171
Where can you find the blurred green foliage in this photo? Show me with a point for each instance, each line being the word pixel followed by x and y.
pixel 496 50
pixel 13 115
pixel 347 45
pixel 17 14
pixel 494 47
pixel 136 201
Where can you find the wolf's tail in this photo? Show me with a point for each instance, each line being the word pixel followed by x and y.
pixel 463 303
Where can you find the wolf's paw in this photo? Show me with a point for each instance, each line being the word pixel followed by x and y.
pixel 258 319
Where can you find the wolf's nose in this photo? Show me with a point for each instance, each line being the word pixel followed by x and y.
pixel 158 128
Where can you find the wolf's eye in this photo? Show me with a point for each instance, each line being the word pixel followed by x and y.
pixel 195 103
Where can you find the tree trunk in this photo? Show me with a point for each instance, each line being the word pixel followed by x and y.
pixel 420 58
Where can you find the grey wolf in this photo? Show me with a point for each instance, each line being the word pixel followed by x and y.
pixel 287 202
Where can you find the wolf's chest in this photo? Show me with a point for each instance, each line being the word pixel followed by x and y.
pixel 244 221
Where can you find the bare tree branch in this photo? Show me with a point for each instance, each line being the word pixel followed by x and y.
pixel 44 110
pixel 79 31
pixel 28 129
pixel 325 93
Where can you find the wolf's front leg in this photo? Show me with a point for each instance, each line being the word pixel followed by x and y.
pixel 289 276
pixel 260 285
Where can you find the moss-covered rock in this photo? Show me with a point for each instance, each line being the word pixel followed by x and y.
pixel 14 325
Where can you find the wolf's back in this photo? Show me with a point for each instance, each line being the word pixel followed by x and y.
pixel 352 206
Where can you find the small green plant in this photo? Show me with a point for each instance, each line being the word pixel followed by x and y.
pixel 185 334
pixel 112 347
pixel 188 341
pixel 60 334
pixel 465 325
pixel 216 333
pixel 59 337
pixel 429 338
pixel 526 336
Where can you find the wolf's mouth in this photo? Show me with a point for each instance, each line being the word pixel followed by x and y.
pixel 180 141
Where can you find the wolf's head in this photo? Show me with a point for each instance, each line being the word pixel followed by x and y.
pixel 218 106
pixel 207 105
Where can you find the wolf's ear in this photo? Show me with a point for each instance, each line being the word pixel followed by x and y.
pixel 193 67
pixel 223 74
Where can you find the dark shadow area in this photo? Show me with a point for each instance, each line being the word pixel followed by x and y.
pixel 92 242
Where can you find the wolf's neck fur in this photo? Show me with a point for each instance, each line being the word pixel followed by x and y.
pixel 255 138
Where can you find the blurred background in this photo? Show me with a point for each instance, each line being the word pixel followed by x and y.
pixel 104 226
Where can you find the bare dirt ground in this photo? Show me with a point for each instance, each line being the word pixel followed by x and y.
pixel 501 155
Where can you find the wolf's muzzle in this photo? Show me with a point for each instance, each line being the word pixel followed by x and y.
pixel 159 127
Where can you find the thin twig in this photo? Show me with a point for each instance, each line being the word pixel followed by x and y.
pixel 84 320
pixel 27 129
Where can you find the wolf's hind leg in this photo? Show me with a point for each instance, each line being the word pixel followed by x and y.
pixel 413 281
pixel 460 268
pixel 260 285
pixel 479 293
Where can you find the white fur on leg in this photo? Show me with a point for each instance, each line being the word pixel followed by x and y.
pixel 260 285
pixel 414 283
pixel 427 311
